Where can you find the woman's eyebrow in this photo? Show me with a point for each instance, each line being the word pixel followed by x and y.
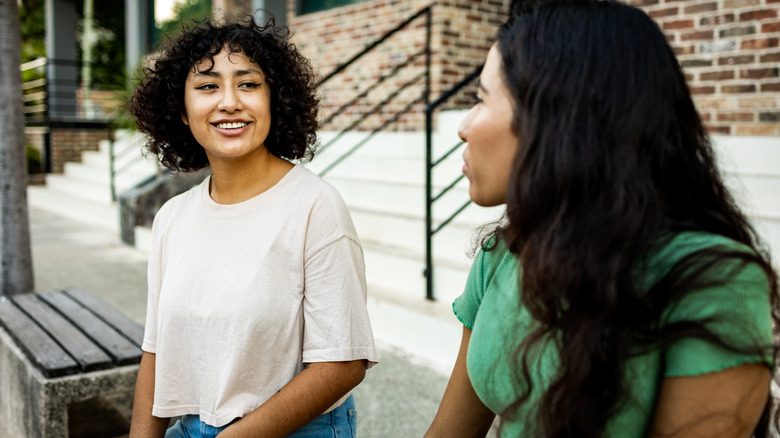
pixel 216 74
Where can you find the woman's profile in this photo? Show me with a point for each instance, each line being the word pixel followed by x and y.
pixel 625 294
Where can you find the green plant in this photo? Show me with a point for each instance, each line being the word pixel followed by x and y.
pixel 33 160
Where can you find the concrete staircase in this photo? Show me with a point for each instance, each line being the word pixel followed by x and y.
pixel 383 185
pixel 83 191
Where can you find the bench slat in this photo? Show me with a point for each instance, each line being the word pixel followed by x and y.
pixel 121 350
pixel 39 347
pixel 123 324
pixel 86 353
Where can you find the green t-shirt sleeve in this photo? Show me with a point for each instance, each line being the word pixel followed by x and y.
pixel 467 305
pixel 740 314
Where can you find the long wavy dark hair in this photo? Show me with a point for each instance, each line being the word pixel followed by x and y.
pixel 613 158
pixel 158 100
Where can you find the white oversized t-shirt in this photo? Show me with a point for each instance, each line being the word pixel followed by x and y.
pixel 241 296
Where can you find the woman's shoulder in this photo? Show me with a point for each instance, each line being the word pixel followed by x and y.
pixel 675 247
pixel 181 200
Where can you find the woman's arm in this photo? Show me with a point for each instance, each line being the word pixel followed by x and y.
pixel 305 397
pixel 461 413
pixel 723 404
pixel 143 424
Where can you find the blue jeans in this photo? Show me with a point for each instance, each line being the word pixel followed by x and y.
pixel 338 423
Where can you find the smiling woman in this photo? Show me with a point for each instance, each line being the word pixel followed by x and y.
pixel 249 270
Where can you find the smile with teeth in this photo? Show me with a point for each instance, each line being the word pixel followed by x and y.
pixel 232 125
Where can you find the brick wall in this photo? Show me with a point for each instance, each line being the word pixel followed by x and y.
pixel 730 52
pixel 461 34
pixel 68 144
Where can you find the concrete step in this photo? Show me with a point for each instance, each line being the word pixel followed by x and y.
pixel 408 200
pixel 401 273
pixel 99 214
pixel 78 188
pixel 408 233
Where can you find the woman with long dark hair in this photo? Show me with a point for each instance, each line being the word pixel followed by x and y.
pixel 625 294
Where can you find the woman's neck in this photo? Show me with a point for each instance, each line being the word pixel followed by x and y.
pixel 239 180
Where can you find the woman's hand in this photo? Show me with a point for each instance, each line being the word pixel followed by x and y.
pixel 723 404
pixel 461 412
pixel 300 401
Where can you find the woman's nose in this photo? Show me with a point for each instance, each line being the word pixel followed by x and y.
pixel 230 101
pixel 463 128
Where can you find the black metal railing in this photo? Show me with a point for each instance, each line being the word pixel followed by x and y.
pixel 377 108
pixel 430 164
pixel 424 98
pixel 63 103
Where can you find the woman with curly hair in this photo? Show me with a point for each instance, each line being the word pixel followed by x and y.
pixel 256 322
pixel 625 294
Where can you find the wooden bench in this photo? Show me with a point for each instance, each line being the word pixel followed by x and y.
pixel 58 348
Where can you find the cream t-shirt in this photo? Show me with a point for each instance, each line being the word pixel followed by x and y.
pixel 241 296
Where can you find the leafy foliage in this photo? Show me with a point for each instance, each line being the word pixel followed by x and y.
pixel 185 12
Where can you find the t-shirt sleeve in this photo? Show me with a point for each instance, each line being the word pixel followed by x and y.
pixel 467 305
pixel 336 321
pixel 738 311
pixel 154 273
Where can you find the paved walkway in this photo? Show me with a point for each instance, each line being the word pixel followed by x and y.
pixel 398 398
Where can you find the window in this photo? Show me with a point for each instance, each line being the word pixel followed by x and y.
pixel 307 6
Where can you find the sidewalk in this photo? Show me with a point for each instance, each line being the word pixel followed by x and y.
pixel 398 398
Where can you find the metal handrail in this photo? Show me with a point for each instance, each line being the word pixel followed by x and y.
pixel 424 97
pixel 426 10
pixel 430 164
pixel 375 109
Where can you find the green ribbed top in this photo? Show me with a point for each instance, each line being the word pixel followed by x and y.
pixel 490 306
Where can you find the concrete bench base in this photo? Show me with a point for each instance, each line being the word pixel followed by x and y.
pixel 32 406
pixel 65 349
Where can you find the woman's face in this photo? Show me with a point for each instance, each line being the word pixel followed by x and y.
pixel 491 139
pixel 228 108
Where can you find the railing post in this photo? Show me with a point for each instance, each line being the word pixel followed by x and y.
pixel 112 164
pixel 428 161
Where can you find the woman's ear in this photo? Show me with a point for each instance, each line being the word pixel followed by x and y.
pixel 184 119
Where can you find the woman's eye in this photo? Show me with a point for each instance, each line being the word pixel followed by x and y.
pixel 249 85
pixel 206 87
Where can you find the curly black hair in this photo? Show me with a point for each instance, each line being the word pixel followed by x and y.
pixel 158 99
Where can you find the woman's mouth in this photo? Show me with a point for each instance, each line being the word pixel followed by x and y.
pixel 231 125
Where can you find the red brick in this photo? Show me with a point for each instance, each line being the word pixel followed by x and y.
pixel 770 27
pixel 680 24
pixel 735 117
pixel 684 50
pixel 761 14
pixel 699 35
pixel 762 129
pixel 660 13
pixel 774 86
pixel 743 88
pixel 703 89
pixel 701 7
pixel 759 73
pixel 720 75
pixel 770 57
pixel 719 129
pixel 693 63
pixel 760 43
